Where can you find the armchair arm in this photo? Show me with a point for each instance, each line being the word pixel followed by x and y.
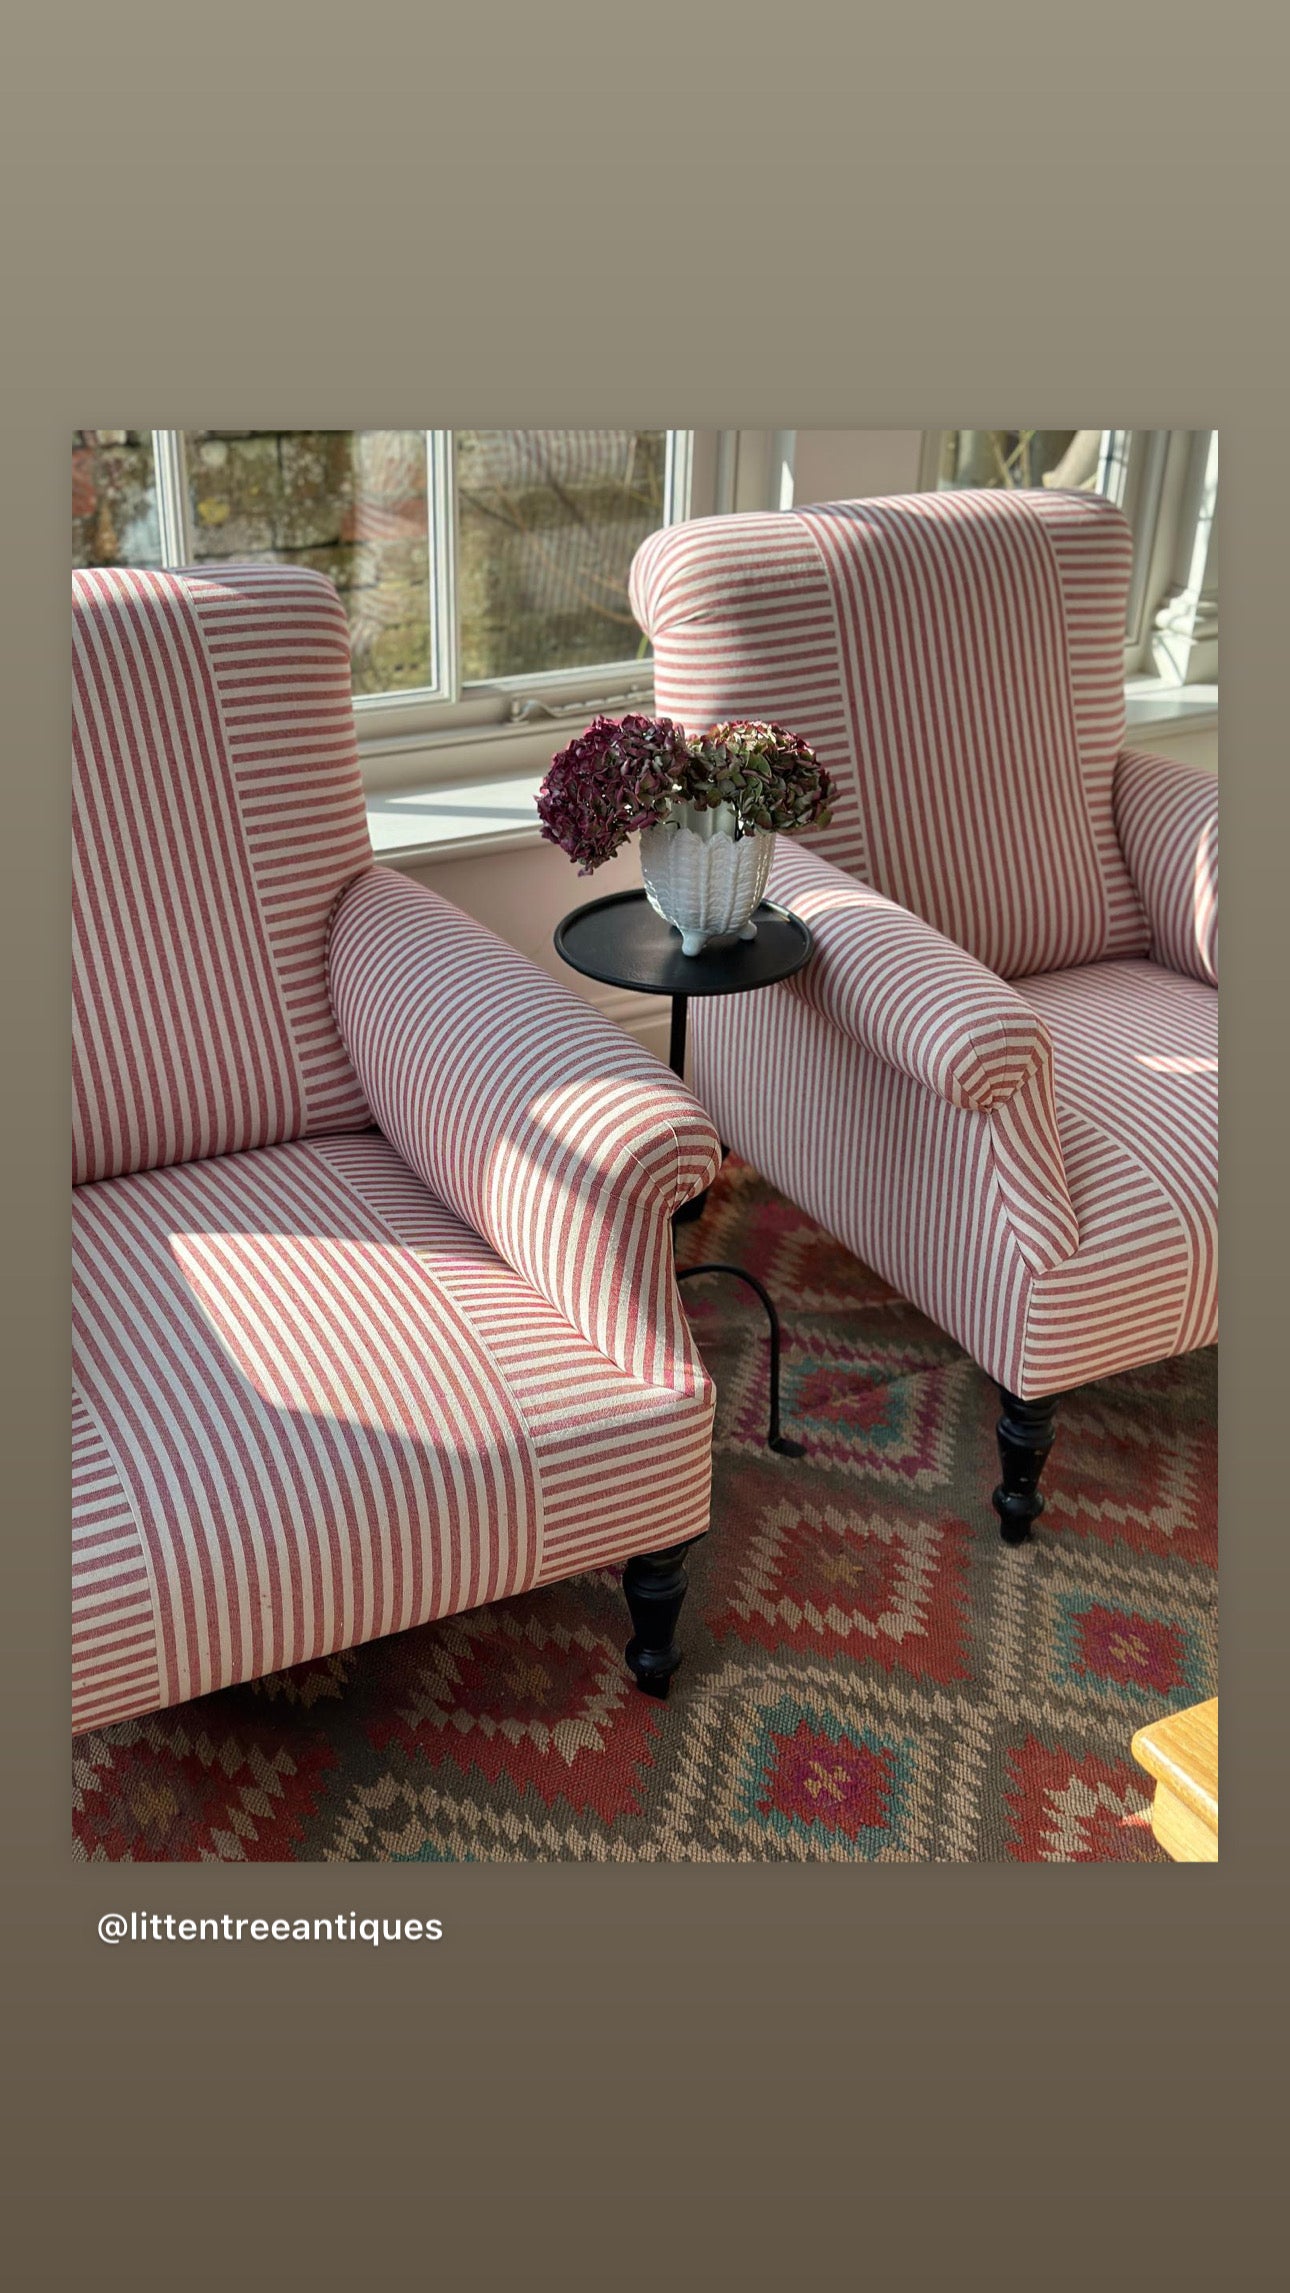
pixel 905 992
pixel 1166 817
pixel 560 1140
pixel 927 1008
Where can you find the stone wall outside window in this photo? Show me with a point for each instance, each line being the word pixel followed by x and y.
pixel 548 524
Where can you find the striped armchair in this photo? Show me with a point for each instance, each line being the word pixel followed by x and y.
pixel 374 1317
pixel 1003 1057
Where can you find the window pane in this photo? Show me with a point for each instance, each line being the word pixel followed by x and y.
pixel 350 503
pixel 114 499
pixel 548 523
pixel 1067 458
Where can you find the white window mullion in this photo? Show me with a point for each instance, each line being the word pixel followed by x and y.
pixel 783 458
pixel 762 477
pixel 1113 465
pixel 438 731
pixel 173 517
pixel 678 476
pixel 727 454
pixel 445 629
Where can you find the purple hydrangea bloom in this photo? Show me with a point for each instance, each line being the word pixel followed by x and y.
pixel 617 777
pixel 625 773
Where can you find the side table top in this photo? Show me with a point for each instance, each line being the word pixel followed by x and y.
pixel 621 941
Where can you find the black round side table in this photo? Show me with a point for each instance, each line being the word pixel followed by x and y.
pixel 624 943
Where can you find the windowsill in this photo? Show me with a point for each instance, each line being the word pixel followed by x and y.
pixel 461 819
pixel 1170 708
pixel 452 823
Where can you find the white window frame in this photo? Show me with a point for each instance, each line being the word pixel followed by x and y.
pixel 449 731
pixel 1166 483
pixel 452 735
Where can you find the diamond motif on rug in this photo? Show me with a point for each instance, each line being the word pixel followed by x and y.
pixel 803 1769
pixel 1137 1473
pixel 1108 1647
pixel 857 1416
pixel 509 1692
pixel 165 1790
pixel 1067 1809
pixel 822 1578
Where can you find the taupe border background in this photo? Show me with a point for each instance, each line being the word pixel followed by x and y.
pixel 707 2077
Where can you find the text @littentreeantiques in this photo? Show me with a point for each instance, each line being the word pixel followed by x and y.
pixel 341 1927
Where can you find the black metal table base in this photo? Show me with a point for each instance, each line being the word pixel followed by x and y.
pixel 781 1443
pixel 624 942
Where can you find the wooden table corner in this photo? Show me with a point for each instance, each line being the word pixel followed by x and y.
pixel 1181 1753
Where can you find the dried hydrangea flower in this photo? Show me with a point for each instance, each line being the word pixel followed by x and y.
pixel 616 778
pixel 769 777
pixel 626 773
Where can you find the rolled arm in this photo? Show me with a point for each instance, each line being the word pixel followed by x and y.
pixel 555 1136
pixel 916 1001
pixel 1166 817
pixel 905 992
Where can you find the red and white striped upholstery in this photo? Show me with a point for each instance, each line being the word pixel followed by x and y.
pixel 902 989
pixel 217 814
pixel 957 661
pixel 1003 1052
pixel 1167 817
pixel 324 1392
pixel 313 1407
pixel 547 1129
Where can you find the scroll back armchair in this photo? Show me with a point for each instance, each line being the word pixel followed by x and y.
pixel 374 1317
pixel 996 1082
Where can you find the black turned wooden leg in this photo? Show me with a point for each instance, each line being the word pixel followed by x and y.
pixel 1025 1433
pixel 655 1585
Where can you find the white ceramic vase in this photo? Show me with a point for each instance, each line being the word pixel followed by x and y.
pixel 702 878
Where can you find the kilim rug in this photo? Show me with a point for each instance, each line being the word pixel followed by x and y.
pixel 870 1674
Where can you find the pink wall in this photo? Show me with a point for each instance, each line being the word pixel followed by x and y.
pixel 847 465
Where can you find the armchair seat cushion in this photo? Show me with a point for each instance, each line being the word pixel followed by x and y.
pixel 313 1407
pixel 1135 1066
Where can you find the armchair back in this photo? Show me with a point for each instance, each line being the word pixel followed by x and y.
pixel 957 661
pixel 217 816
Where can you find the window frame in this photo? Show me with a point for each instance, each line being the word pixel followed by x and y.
pixel 451 730
pixel 1151 475
pixel 451 735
